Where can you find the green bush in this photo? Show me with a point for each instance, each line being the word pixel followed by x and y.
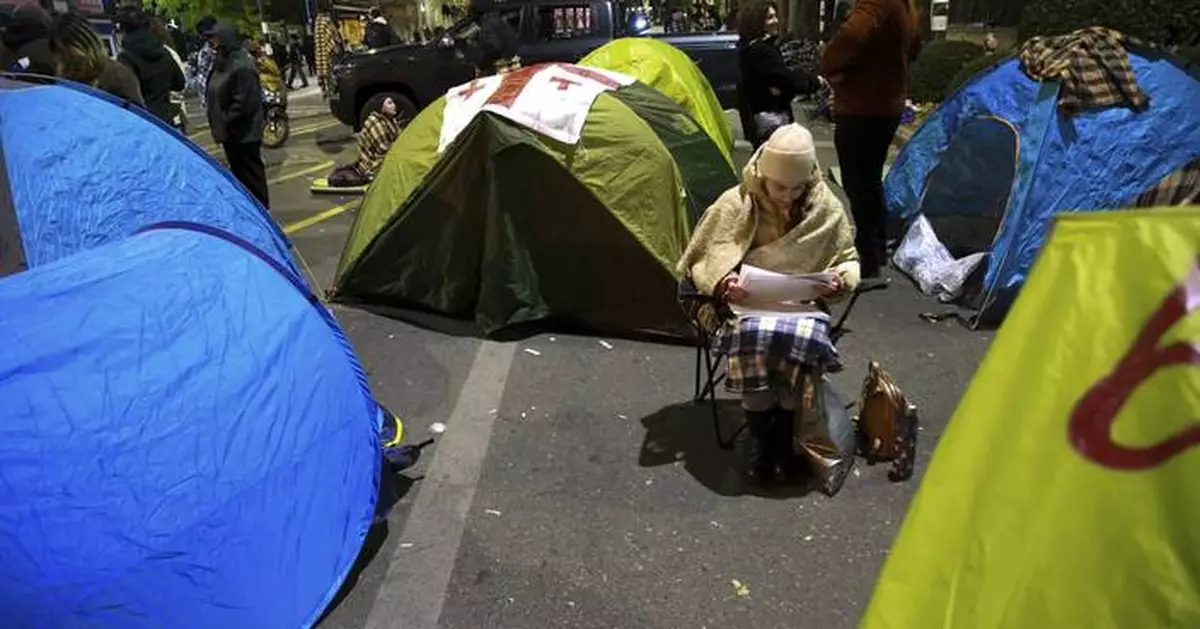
pixel 974 67
pixel 931 77
pixel 1171 22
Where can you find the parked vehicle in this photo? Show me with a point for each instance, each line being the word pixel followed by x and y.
pixel 414 75
pixel 278 127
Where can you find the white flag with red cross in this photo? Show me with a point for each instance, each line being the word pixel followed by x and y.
pixel 552 99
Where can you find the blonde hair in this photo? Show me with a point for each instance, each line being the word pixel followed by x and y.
pixel 78 51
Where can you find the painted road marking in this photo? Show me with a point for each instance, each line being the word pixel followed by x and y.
pixel 320 126
pixel 317 218
pixel 203 129
pixel 414 590
pixel 300 173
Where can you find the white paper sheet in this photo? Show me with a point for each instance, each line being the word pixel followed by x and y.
pixel 768 289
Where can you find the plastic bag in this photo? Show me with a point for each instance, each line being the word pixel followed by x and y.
pixel 926 260
pixel 825 435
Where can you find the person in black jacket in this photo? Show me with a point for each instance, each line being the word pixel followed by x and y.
pixel 235 110
pixel 157 72
pixel 295 63
pixel 26 37
pixel 378 32
pixel 766 85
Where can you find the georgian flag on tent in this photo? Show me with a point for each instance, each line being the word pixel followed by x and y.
pixel 552 99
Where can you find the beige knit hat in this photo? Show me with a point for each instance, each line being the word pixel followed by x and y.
pixel 789 156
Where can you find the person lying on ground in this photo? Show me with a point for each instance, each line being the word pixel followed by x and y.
pixel 80 56
pixel 379 131
pixel 783 217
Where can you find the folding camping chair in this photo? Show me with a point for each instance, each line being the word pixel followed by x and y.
pixel 705 313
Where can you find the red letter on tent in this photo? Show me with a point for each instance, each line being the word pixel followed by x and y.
pixel 1090 429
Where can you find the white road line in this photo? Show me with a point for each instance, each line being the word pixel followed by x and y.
pixel 414 590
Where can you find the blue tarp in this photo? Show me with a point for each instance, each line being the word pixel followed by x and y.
pixel 84 171
pixel 186 441
pixel 1097 160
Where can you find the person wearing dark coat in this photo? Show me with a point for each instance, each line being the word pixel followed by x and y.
pixel 235 110
pixel 766 85
pixel 157 72
pixel 81 56
pixel 26 37
pixel 378 32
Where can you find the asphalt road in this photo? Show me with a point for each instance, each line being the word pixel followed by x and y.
pixel 576 485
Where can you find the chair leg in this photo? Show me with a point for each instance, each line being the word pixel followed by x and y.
pixel 699 366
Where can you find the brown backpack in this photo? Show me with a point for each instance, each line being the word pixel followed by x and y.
pixel 887 424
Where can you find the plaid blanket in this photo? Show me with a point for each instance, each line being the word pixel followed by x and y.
pixel 766 353
pixel 378 133
pixel 1181 187
pixel 1092 65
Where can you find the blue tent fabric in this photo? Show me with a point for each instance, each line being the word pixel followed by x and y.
pixel 1094 161
pixel 186 440
pixel 83 170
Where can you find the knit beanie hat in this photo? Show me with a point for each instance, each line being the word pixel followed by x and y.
pixel 789 156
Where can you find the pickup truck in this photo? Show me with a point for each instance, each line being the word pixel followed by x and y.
pixel 414 75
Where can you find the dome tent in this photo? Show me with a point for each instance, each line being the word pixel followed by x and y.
pixel 179 450
pixel 670 71
pixel 80 168
pixel 997 161
pixel 549 192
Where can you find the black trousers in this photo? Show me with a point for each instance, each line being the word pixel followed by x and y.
pixel 296 70
pixel 862 146
pixel 245 162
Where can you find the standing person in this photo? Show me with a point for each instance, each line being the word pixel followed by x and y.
pixel 867 64
pixel 178 100
pixel 324 50
pixel 378 32
pixel 158 74
pixel 26 36
pixel 766 85
pixel 295 57
pixel 309 52
pixel 205 57
pixel 81 56
pixel 235 110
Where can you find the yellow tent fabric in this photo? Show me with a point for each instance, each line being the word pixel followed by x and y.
pixel 670 71
pixel 1063 493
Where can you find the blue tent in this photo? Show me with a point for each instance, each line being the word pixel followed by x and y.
pixel 79 168
pixel 177 449
pixel 997 160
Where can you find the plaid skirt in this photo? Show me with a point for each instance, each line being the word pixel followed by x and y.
pixel 766 353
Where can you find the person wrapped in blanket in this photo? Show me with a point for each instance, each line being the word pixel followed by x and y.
pixel 783 217
pixel 379 131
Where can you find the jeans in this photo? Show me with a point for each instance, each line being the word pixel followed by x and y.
pixel 862 144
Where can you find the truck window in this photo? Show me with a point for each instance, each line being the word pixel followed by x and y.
pixel 566 21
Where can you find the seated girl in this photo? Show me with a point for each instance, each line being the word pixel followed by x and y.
pixel 782 218
pixel 379 132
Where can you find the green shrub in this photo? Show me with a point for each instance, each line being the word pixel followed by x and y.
pixel 973 68
pixel 931 76
pixel 1171 22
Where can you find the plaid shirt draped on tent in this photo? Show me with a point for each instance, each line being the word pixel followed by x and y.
pixel 1091 63
pixel 1181 187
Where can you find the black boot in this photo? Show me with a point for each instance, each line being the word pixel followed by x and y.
pixel 783 440
pixel 758 452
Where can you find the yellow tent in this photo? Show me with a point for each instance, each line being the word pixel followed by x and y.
pixel 670 71
pixel 1063 493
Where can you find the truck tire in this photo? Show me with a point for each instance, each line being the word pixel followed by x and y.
pixel 404 107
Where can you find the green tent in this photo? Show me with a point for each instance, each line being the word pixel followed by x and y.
pixel 475 215
pixel 669 70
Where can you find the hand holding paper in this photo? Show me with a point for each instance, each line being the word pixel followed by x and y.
pixel 768 288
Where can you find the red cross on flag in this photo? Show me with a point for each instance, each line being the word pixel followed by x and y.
pixel 552 99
